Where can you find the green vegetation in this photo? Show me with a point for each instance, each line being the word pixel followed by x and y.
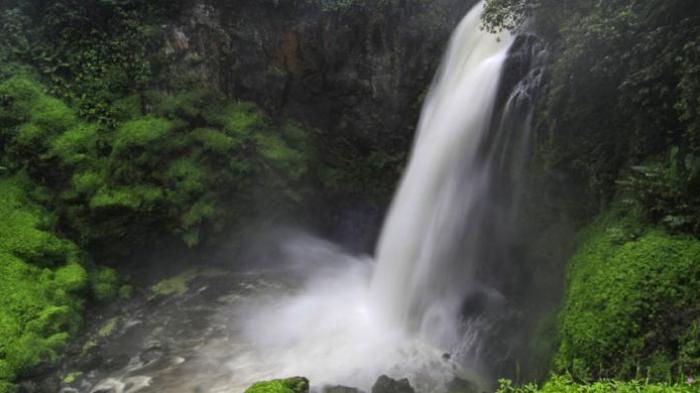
pixel 191 167
pixel 290 385
pixel 187 169
pixel 94 164
pixel 40 302
pixel 617 126
pixel 567 385
pixel 631 307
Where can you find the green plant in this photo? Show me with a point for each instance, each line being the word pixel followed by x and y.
pixel 289 385
pixel 668 190
pixel 565 384
pixel 630 303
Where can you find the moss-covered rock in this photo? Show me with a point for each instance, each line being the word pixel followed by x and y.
pixel 289 385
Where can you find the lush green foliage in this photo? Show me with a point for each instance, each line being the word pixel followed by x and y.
pixel 631 307
pixel 193 165
pixel 622 88
pixel 619 120
pixel 196 164
pixel 669 190
pixel 290 385
pixel 92 53
pixel 41 279
pixel 567 385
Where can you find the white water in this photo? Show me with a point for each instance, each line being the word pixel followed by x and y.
pixel 420 277
pixel 347 324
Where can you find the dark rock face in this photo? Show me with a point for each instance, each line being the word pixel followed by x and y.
pixel 359 70
pixel 388 385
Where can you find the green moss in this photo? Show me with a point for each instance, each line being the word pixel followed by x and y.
pixel 105 283
pixel 188 104
pixel 215 140
pixel 241 118
pixel 125 292
pixel 176 285
pixel 73 277
pixel 6 387
pixel 71 377
pixel 22 232
pixel 19 93
pixel 187 177
pixel 51 114
pixel 108 328
pixel 133 198
pixel 87 182
pixel 39 309
pixel 29 134
pixel 140 133
pixel 275 151
pixel 127 108
pixel 290 385
pixel 631 298
pixel 192 219
pixel 89 346
pixel 74 146
pixel 179 284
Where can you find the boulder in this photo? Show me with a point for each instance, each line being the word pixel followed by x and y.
pixel 289 385
pixel 388 385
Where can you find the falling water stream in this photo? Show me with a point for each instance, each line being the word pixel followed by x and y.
pixel 351 319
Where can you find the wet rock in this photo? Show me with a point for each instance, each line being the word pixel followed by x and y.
pixel 152 354
pixel 115 362
pixel 340 389
pixel 388 385
pixel 68 390
pixel 458 385
pixel 104 389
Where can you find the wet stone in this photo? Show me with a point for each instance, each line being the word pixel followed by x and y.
pixel 152 354
pixel 388 385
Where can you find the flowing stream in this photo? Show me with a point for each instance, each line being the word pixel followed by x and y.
pixel 342 319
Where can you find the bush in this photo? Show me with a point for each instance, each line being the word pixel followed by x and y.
pixel 563 384
pixel 669 190
pixel 105 284
pixel 631 304
pixel 39 307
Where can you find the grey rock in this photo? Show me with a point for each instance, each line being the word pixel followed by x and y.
pixel 388 385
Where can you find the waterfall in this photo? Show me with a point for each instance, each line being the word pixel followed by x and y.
pixel 426 251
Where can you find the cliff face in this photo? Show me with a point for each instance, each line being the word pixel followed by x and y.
pixel 351 69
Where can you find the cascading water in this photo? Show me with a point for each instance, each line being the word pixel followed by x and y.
pixel 424 263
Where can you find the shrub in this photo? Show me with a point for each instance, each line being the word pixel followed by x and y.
pixel 290 385
pixel 631 302
pixel 140 133
pixel 39 307
pixel 105 284
pixel 563 384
